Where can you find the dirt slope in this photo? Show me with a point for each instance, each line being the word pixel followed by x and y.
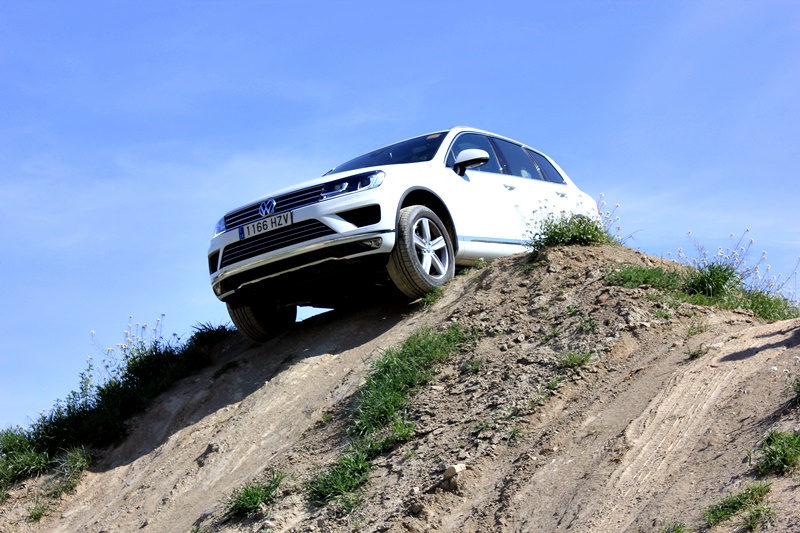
pixel 642 436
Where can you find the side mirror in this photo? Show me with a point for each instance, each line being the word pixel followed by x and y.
pixel 470 158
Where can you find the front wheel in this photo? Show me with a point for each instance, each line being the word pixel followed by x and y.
pixel 260 322
pixel 423 256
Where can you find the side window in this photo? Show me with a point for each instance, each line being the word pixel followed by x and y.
pixel 546 168
pixel 473 140
pixel 515 161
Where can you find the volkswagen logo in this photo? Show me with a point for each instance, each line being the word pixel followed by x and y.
pixel 267 207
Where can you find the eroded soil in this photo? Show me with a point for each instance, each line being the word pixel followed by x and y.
pixel 647 433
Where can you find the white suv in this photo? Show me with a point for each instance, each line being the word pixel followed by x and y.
pixel 406 214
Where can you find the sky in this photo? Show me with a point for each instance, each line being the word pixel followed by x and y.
pixel 128 128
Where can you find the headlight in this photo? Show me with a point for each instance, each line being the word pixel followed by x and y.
pixel 220 227
pixel 359 182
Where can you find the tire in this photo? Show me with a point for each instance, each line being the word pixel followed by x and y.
pixel 259 322
pixel 423 256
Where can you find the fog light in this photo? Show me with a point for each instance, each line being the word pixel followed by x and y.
pixel 373 243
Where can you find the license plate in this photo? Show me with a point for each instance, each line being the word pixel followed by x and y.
pixel 265 225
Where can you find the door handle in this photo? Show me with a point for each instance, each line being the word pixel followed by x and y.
pixel 509 187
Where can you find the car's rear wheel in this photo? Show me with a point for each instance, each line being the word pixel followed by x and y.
pixel 423 256
pixel 260 322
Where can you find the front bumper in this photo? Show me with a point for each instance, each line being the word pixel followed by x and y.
pixel 333 230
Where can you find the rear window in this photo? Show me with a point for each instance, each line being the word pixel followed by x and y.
pixel 546 168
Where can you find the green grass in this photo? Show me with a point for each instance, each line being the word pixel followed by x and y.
pixel 37 510
pixel 751 497
pixel 432 296
pixel 377 422
pixel 758 516
pixel 568 229
pixel 779 453
pixel 19 458
pixel 248 500
pixel 694 353
pixel 588 325
pixel 348 474
pixel 96 414
pixel 69 466
pixel 573 360
pixel 398 373
pixel 713 284
pixel 632 277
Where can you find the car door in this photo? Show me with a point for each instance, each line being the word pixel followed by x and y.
pixel 535 188
pixel 489 225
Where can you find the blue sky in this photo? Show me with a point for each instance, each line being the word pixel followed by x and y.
pixel 128 128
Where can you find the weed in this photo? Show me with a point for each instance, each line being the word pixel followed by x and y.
pixel 133 373
pixel 632 277
pixel 37 510
pixel 553 383
pixel 752 496
pixel 779 453
pixel 377 422
pixel 248 500
pixel 515 436
pixel 349 473
pixel 475 365
pixel 696 327
pixel 758 515
pixel 571 311
pixel 19 458
pixel 486 425
pixel 694 353
pixel 662 314
pixel 715 280
pixel 70 466
pixel 725 285
pixel 432 296
pixel 588 325
pixel 410 454
pixel 326 418
pixel 398 373
pixel 552 334
pixel 567 229
pixel 573 359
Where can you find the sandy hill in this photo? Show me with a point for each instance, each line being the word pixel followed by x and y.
pixel 641 436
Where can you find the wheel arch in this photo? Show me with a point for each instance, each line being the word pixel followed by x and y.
pixel 426 197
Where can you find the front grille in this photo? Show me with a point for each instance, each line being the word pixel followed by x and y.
pixel 283 203
pixel 274 240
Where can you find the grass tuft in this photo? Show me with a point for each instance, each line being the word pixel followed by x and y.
pixel 714 284
pixel 377 423
pixel 779 453
pixel 573 360
pixel 568 229
pixel 752 496
pixel 249 500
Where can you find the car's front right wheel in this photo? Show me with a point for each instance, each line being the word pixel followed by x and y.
pixel 260 321
pixel 423 256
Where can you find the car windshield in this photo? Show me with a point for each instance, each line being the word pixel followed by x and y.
pixel 410 151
